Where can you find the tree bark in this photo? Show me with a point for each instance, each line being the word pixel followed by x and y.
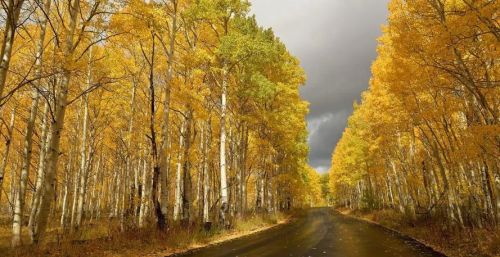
pixel 36 202
pixel 186 173
pixel 6 152
pixel 83 149
pixel 178 181
pixel 224 208
pixel 28 139
pixel 166 111
pixel 11 23
pixel 160 218
pixel 206 180
pixel 144 194
pixel 57 127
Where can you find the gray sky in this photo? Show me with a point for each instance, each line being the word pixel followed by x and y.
pixel 335 41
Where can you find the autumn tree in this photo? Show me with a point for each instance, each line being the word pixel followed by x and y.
pixel 424 138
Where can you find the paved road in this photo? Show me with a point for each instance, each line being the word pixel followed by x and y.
pixel 321 232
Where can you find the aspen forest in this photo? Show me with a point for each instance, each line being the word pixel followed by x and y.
pixel 424 142
pixel 250 128
pixel 140 114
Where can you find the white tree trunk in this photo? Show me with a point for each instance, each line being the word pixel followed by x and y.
pixel 129 164
pixel 56 128
pixel 25 167
pixel 20 196
pixel 223 177
pixel 260 191
pixel 12 193
pixel 206 180
pixel 77 172
pixel 401 202
pixel 95 183
pixel 137 172
pixel 270 197
pixel 74 203
pixel 164 163
pixel 178 178
pixel 116 193
pixel 13 10
pixel 65 200
pixel 28 140
pixel 122 193
pixel 36 202
pixel 83 148
pixel 144 194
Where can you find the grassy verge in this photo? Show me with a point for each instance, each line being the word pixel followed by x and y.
pixel 107 241
pixel 465 242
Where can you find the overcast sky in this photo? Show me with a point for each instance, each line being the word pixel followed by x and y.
pixel 335 41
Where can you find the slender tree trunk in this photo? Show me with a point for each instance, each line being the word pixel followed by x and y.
pixel 11 22
pixel 101 172
pixel 83 149
pixel 144 194
pixel 56 128
pixel 36 202
pixel 491 193
pixel 178 181
pixel 224 209
pixel 115 201
pixel 28 139
pixel 76 176
pixel 129 165
pixel 12 193
pixel 241 171
pixel 95 183
pixel 5 157
pixel 401 203
pixel 20 196
pixel 206 181
pixel 65 200
pixel 166 112
pixel 388 181
pixel 76 184
pixel 160 218
pixel 199 178
pixel 122 195
pixel 186 173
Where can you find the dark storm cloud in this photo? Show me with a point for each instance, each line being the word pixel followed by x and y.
pixel 335 41
pixel 325 133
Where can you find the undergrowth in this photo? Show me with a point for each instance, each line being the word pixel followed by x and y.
pixel 454 242
pixel 106 239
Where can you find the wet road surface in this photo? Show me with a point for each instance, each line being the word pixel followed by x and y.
pixel 320 233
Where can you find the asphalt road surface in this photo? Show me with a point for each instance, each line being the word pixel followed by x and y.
pixel 320 232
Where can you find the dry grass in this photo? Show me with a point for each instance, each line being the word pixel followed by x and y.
pixel 106 240
pixel 465 242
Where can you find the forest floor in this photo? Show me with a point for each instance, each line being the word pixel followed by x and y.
pixel 105 240
pixel 453 243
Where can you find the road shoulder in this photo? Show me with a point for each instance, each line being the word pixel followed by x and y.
pixel 456 246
